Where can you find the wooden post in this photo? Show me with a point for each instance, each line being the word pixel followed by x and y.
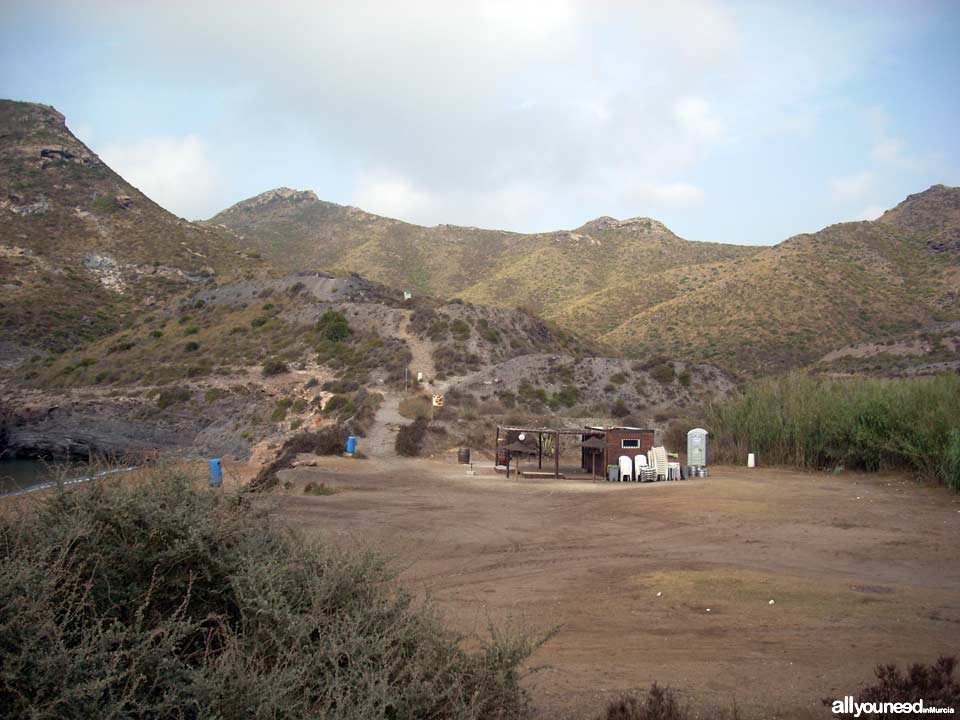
pixel 556 457
pixel 540 453
pixel 496 448
pixel 606 460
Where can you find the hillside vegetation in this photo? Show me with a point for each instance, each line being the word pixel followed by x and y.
pixel 81 248
pixel 152 598
pixel 636 287
pixel 544 272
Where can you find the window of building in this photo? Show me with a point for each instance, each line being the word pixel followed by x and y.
pixel 630 443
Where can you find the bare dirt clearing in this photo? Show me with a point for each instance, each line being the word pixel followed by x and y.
pixel 862 569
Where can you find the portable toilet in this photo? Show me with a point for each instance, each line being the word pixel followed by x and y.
pixel 626 468
pixel 352 444
pixel 697 447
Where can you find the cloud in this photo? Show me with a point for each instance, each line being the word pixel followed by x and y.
pixel 852 187
pixel 887 150
pixel 697 118
pixel 387 193
pixel 176 172
pixel 870 213
pixel 678 194
pixel 520 113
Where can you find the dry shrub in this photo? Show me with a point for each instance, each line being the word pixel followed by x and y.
pixel 491 407
pixel 660 703
pixel 330 440
pixel 410 437
pixel 416 406
pixel 155 597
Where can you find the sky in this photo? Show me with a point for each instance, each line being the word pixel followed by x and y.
pixel 740 122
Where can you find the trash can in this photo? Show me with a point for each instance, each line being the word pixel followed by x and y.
pixel 613 473
pixel 352 444
pixel 463 456
pixel 216 473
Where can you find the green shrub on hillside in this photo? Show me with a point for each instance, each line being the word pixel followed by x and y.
pixel 157 598
pixel 274 367
pixel 172 396
pixel 663 373
pixel 856 423
pixel 333 326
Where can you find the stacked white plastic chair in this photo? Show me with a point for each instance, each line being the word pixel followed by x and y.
pixel 626 468
pixel 657 458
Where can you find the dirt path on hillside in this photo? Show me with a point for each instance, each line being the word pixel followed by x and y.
pixel 422 352
pixel 862 570
pixel 381 437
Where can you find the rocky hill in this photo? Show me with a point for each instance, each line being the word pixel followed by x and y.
pixel 79 246
pixel 545 273
pixel 791 304
pixel 639 289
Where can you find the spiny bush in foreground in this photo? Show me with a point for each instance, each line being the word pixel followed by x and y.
pixel 863 424
pixel 155 598
pixel 934 684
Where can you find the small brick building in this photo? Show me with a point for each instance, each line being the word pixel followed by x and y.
pixel 618 440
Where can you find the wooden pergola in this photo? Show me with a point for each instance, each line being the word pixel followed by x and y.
pixel 540 432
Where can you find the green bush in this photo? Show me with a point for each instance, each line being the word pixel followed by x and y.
pixel 333 326
pixel 951 460
pixel 460 329
pixel 172 396
pixel 155 597
pixel 663 373
pixel 274 367
pixel 191 346
pixel 106 204
pixel 863 424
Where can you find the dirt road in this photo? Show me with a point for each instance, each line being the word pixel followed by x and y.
pixel 670 581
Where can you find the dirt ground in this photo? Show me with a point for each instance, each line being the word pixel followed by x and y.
pixel 667 582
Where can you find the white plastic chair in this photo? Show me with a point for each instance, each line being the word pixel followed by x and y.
pixel 658 460
pixel 639 462
pixel 626 468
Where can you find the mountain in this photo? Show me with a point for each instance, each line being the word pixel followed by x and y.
pixel 547 273
pixel 635 286
pixel 791 304
pixel 80 248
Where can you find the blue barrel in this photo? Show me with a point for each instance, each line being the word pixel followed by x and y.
pixel 216 473
pixel 352 444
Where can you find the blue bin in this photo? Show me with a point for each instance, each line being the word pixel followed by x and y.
pixel 352 444
pixel 216 473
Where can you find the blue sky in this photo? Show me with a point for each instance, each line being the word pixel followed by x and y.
pixel 732 122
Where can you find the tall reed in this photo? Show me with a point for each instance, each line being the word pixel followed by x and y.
pixel 859 423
